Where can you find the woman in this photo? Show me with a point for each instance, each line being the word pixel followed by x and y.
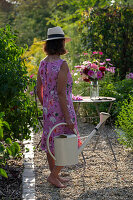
pixel 54 90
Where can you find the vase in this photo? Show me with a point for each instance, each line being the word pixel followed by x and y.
pixel 94 89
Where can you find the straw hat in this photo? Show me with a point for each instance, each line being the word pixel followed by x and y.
pixel 56 33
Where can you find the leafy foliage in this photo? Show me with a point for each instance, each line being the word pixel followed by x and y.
pixel 102 26
pixel 119 90
pixel 124 123
pixel 33 56
pixel 30 18
pixel 6 9
pixel 8 148
pixel 14 84
pixel 110 30
pixel 13 77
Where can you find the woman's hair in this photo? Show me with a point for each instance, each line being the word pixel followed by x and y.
pixel 52 47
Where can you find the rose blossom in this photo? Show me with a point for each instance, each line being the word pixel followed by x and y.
pixel 94 66
pixel 85 70
pixel 108 59
pixel 102 69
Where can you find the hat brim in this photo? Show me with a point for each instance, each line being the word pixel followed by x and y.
pixel 67 39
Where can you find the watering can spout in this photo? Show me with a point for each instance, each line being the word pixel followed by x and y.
pixel 103 117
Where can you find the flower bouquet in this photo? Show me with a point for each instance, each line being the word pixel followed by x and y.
pixel 94 70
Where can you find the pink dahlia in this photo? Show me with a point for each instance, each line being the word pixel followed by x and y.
pixel 99 75
pixel 91 73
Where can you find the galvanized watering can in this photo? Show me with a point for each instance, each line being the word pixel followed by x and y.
pixel 66 146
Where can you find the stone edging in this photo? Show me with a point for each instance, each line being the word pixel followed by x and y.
pixel 28 175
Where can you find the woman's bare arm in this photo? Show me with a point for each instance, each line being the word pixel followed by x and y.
pixel 61 89
pixel 39 89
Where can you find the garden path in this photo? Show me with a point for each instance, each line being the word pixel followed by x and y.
pixel 98 179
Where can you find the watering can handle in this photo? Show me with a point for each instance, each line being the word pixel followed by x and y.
pixel 62 123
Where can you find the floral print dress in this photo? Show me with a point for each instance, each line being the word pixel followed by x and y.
pixel 52 113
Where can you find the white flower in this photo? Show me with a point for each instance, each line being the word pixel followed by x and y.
pixel 45 110
pixel 52 119
pixel 75 74
pixel 85 62
pixel 52 92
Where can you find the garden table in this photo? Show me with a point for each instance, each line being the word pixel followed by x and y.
pixel 87 99
pixel 96 102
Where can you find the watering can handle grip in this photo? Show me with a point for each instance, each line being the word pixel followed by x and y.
pixel 62 123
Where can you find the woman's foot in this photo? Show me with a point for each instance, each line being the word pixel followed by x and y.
pixel 63 180
pixel 55 181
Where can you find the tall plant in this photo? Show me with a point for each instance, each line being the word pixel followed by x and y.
pixel 14 82
pixel 125 123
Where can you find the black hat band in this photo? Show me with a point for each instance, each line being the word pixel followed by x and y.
pixel 55 35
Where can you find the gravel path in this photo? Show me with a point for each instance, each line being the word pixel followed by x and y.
pixel 98 179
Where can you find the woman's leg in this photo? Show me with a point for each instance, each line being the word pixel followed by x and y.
pixel 55 170
pixel 51 162
pixel 54 177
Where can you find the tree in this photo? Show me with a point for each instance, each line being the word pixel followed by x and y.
pixel 102 26
pixel 30 19
pixel 14 83
pixel 110 30
pixel 5 12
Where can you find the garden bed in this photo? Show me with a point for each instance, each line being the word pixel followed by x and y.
pixel 11 187
pixel 99 179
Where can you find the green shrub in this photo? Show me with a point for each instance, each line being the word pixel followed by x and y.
pixel 13 79
pixel 14 86
pixel 124 123
pixel 119 90
pixel 8 148
pixel 110 30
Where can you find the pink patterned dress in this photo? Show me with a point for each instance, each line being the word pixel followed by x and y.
pixel 52 113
